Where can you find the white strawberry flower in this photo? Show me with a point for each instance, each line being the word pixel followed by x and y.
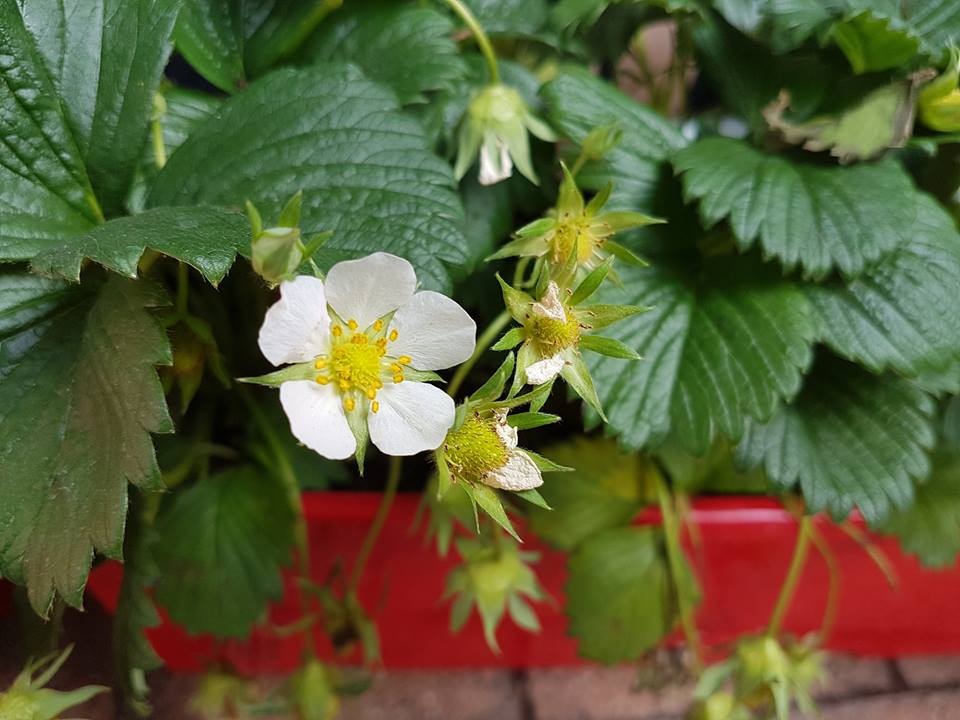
pixel 361 343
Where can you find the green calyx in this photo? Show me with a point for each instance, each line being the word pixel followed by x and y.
pixel 17 706
pixel 474 449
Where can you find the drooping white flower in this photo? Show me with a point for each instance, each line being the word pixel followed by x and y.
pixel 554 333
pixel 363 337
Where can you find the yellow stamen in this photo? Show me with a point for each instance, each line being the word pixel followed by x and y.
pixel 349 404
pixel 352 324
pixel 398 378
pixel 336 331
pixel 396 368
pixel 378 326
pixel 320 363
pixel 371 394
pixel 375 406
pixel 394 335
pixel 322 379
pixel 345 384
pixel 404 359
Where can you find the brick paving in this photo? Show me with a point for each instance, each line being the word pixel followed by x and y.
pixel 859 689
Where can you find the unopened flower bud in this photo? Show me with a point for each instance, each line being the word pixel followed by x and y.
pixel 277 253
pixel 939 100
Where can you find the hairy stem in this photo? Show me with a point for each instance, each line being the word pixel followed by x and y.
pixel 833 591
pixel 370 541
pixel 789 586
pixel 671 532
pixel 485 340
pixel 480 35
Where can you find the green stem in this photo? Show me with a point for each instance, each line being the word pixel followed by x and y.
pixel 495 327
pixel 789 586
pixel 370 541
pixel 289 479
pixel 671 532
pixel 479 35
pixel 833 591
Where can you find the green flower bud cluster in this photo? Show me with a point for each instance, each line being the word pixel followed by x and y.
pixel 766 677
pixel 28 698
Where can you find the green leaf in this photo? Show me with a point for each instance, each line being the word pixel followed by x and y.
pixel 206 238
pixel 209 34
pixel 849 440
pixel 935 22
pixel 871 43
pixel 577 102
pixel 78 401
pixel 407 47
pixel 363 167
pixel 222 544
pixel 605 490
pixel 717 351
pixel 509 17
pixel 45 194
pixel 618 595
pixel 881 120
pixel 106 58
pixel 930 527
pixel 809 215
pixel 900 313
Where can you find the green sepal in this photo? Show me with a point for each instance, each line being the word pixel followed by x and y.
pixel 357 420
pixel 627 220
pixel 300 371
pixel 290 215
pixel 256 222
pixel 545 464
pixel 421 375
pixel 540 391
pixel 530 420
pixel 493 387
pixel 569 198
pixel 578 377
pixel 533 497
pixel 600 316
pixel 591 283
pixel 523 246
pixel 540 399
pixel 511 338
pixel 624 254
pixel 487 498
pixel 599 200
pixel 444 479
pixel 608 346
pixel 517 302
pixel 315 243
pixel 536 228
pixel 526 356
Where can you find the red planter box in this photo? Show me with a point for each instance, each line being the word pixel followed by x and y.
pixel 746 545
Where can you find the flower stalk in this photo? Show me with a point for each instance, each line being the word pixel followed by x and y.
pixel 797 563
pixel 480 35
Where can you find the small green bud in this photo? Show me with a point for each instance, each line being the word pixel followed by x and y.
pixel 312 693
pixel 601 140
pixel 939 100
pixel 277 253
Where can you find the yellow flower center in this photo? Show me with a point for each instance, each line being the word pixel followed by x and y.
pixel 358 364
pixel 573 233
pixel 552 334
pixel 474 449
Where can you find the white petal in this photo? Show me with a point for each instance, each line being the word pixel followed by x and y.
pixel 296 328
pixel 505 431
pixel 369 288
pixel 519 473
pixel 413 417
pixel 317 418
pixel 545 370
pixel 495 162
pixel 549 305
pixel 434 331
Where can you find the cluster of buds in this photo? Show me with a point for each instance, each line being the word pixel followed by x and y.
pixel 763 678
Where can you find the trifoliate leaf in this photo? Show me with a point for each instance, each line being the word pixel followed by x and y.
pixel 935 22
pixel 45 194
pixel 899 313
pixel 721 347
pixel 849 440
pixel 605 490
pixel 883 119
pixel 78 400
pixel 817 217
pixel 106 58
pixel 409 48
pixel 363 167
pixel 206 238
pixel 577 102
pixel 210 35
pixel 930 528
pixel 222 543
pixel 618 595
